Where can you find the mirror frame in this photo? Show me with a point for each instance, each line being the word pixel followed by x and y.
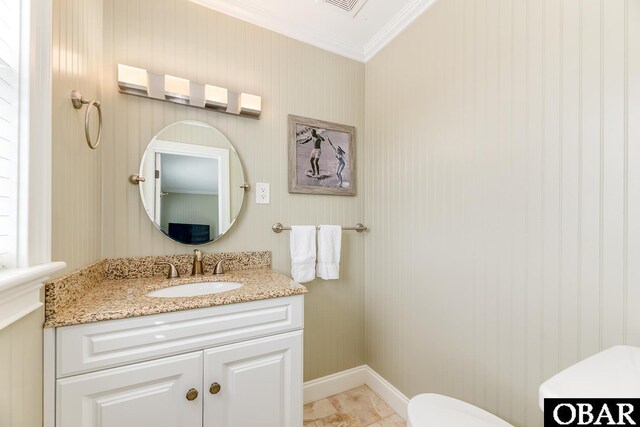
pixel 138 179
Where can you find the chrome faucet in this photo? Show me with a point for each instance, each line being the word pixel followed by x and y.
pixel 196 270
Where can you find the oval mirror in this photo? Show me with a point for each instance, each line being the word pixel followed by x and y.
pixel 193 189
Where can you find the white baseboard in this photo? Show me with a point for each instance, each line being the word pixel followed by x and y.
pixel 324 387
pixel 330 385
pixel 383 388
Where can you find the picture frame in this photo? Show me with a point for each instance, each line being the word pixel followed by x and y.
pixel 321 157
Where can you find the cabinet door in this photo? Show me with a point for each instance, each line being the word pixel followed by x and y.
pixel 260 383
pixel 144 394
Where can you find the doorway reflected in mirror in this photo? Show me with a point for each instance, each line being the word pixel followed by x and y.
pixel 195 193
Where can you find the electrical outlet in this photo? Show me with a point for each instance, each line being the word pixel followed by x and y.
pixel 262 193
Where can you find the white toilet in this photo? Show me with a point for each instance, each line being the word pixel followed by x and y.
pixel 612 373
pixel 435 410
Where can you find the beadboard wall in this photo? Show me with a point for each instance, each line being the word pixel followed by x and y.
pixel 183 39
pixel 77 177
pixel 21 372
pixel 502 185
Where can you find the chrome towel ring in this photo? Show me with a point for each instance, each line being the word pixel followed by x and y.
pixel 78 101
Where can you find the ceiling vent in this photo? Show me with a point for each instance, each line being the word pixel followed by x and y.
pixel 350 7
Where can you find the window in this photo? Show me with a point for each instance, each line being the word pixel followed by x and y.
pixel 25 156
pixel 9 129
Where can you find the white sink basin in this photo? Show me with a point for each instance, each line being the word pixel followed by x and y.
pixel 195 289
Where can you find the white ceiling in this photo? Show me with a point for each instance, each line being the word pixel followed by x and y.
pixel 189 174
pixel 324 25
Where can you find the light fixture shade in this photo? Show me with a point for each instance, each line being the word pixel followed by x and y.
pixel 165 87
pixel 132 79
pixel 216 97
pixel 250 105
pixel 176 88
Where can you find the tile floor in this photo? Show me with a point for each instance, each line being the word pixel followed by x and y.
pixel 359 407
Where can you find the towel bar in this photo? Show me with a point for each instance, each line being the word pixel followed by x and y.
pixel 279 228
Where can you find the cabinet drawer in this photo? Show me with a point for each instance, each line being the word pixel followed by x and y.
pixel 89 347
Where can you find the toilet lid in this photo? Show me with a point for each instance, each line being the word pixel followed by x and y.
pixel 434 410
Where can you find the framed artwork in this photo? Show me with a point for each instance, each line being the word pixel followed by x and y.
pixel 321 157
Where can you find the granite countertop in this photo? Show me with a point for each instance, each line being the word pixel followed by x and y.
pixel 88 296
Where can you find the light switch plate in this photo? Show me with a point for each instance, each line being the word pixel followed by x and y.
pixel 262 193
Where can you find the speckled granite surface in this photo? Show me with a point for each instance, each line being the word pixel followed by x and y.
pixel 67 289
pixel 140 267
pixel 117 288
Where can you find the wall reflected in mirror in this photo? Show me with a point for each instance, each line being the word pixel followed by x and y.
pixel 193 182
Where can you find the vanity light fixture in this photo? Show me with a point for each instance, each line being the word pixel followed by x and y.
pixel 176 88
pixel 132 79
pixel 250 105
pixel 165 87
pixel 216 97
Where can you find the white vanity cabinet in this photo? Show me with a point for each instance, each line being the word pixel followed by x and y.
pixel 260 383
pixel 238 365
pixel 144 394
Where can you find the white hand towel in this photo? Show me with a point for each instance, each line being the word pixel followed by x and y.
pixel 329 242
pixel 303 253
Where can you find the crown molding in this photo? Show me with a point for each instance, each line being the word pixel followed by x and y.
pixel 265 18
pixel 394 27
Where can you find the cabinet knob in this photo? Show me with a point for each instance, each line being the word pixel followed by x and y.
pixel 192 394
pixel 215 388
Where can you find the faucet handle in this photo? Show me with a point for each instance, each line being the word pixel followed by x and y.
pixel 173 272
pixel 218 268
